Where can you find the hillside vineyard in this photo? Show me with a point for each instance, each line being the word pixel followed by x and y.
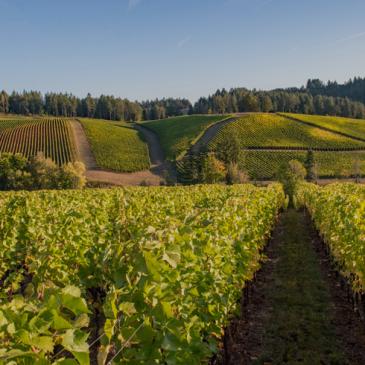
pixel 53 137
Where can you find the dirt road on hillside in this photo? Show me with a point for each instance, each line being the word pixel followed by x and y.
pixel 154 176
pixel 208 135
pixel 84 152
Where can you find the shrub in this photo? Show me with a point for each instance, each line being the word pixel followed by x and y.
pixel 310 165
pixel 72 175
pixel 19 173
pixel 212 170
pixel 13 174
pixel 44 172
pixel 290 175
pixel 228 148
pixel 235 175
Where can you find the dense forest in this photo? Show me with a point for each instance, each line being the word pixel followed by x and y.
pixel 243 100
pixel 354 89
pixel 316 97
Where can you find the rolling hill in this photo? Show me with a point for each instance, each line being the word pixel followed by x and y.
pixel 348 126
pixel 271 130
pixel 116 146
pixel 270 140
pixel 176 135
pixel 267 141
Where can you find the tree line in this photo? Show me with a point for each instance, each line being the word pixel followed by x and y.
pixel 354 89
pixel 316 97
pixel 103 107
pixel 68 105
pixel 290 101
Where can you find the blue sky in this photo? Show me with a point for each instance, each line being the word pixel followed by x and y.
pixel 143 49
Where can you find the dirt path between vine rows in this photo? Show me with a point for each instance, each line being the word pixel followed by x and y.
pixel 83 146
pixel 297 312
pixel 154 176
pixel 209 134
pixel 159 165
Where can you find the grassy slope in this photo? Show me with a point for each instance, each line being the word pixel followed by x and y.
pixel 116 145
pixel 353 127
pixel 299 328
pixel 264 130
pixel 177 134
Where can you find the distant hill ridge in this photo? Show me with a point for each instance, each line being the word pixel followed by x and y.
pixel 316 97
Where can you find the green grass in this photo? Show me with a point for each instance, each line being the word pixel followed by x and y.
pixel 299 327
pixel 116 146
pixel 352 127
pixel 264 164
pixel 270 130
pixel 177 134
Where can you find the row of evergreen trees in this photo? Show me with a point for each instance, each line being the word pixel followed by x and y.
pixel 68 105
pixel 243 100
pixel 354 89
pixel 103 107
pixel 316 98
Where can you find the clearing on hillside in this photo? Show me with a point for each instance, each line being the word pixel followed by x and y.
pixel 116 146
pixel 177 134
pixel 53 137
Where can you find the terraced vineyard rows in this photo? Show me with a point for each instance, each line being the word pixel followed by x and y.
pixel 53 137
pixel 263 165
pixel 351 127
pixel 269 130
pixel 158 284
pixel 269 141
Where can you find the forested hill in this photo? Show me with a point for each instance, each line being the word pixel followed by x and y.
pixel 347 100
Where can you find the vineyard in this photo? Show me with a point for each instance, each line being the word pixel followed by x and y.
pixel 263 165
pixel 93 274
pixel 338 213
pixel 270 130
pixel 177 134
pixel 53 137
pixel 351 127
pixel 269 141
pixel 116 146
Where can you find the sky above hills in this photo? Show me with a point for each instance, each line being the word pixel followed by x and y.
pixel 143 49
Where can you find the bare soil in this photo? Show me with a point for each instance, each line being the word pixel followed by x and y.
pixel 156 154
pixel 124 179
pixel 94 174
pixel 82 146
